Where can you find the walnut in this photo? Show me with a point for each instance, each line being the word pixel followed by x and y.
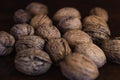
pixel 79 67
pixel 32 41
pixel 48 32
pixel 6 43
pixel 75 37
pixel 32 62
pixel 36 8
pixel 57 49
pixel 112 49
pixel 20 30
pixel 69 23
pixel 93 52
pixel 100 12
pixel 66 12
pixel 39 20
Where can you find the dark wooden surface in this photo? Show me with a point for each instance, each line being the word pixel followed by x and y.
pixel 109 71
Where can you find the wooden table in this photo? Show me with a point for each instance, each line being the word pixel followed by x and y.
pixel 109 71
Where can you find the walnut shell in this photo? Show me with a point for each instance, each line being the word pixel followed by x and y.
pixel 93 52
pixel 21 16
pixel 79 67
pixel 75 37
pixel 6 43
pixel 57 49
pixel 26 42
pixel 20 30
pixel 36 8
pixel 39 20
pixel 48 32
pixel 112 49
pixel 69 23
pixel 32 62
pixel 66 12
pixel 100 12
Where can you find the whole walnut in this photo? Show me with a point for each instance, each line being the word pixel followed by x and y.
pixel 36 8
pixel 79 67
pixel 93 52
pixel 69 23
pixel 32 62
pixel 100 12
pixel 6 43
pixel 112 49
pixel 57 49
pixel 39 20
pixel 66 12
pixel 32 41
pixel 96 28
pixel 75 37
pixel 20 30
pixel 48 32
pixel 21 16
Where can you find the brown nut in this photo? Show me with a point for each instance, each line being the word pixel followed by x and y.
pixel 48 32
pixel 21 16
pixel 100 12
pixel 35 8
pixel 93 52
pixel 112 49
pixel 26 42
pixel 79 67
pixel 32 62
pixel 75 37
pixel 57 49
pixel 6 43
pixel 20 30
pixel 39 20
pixel 69 23
pixel 66 12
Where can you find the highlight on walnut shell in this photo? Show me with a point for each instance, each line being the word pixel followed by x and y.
pixel 112 49
pixel 26 42
pixel 100 12
pixel 57 49
pixel 39 20
pixel 6 43
pixel 79 67
pixel 19 30
pixel 75 37
pixel 36 8
pixel 66 12
pixel 32 62
pixel 93 52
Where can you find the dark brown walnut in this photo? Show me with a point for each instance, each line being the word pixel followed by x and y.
pixel 75 37
pixel 112 49
pixel 96 28
pixel 21 16
pixel 66 12
pixel 32 62
pixel 48 32
pixel 69 23
pixel 32 41
pixel 93 52
pixel 35 8
pixel 20 30
pixel 6 43
pixel 79 67
pixel 57 49
pixel 39 20
pixel 100 12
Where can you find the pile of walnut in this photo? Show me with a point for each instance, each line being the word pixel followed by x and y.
pixel 71 44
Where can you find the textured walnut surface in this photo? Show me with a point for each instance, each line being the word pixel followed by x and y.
pixel 32 61
pixel 79 67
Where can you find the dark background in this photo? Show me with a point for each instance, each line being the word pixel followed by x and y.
pixel 109 71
